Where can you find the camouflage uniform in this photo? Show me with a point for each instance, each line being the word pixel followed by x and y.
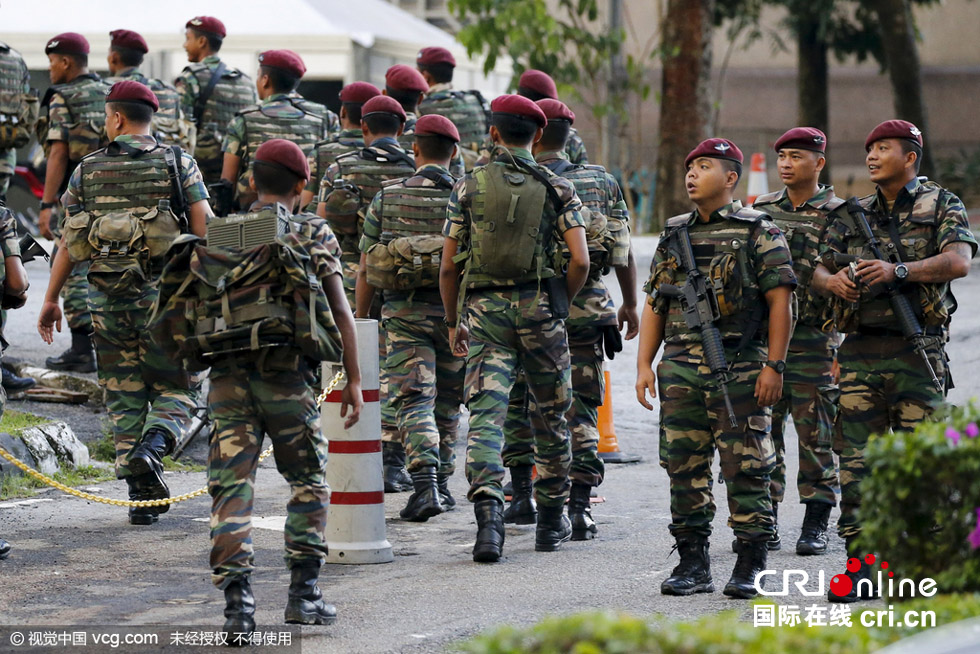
pixel 884 384
pixel 144 389
pixel 75 113
pixel 280 116
pixel 326 152
pixel 511 324
pixel 14 78
pixel 166 125
pixel 425 380
pixel 748 256
pixel 574 149
pixel 467 111
pixel 591 310
pixel 809 391
pixel 233 92
pixel 248 401
pixel 456 167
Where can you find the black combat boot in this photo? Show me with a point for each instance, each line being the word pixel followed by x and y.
pixel 813 536
pixel 751 561
pixel 424 502
pixel 522 509
pixel 448 501
pixel 146 466
pixel 863 574
pixel 580 513
pixel 306 605
pixel 554 528
pixel 775 542
pixel 397 479
pixel 489 531
pixel 239 612
pixel 4 549
pixel 80 357
pixel 693 573
pixel 140 515
pixel 14 384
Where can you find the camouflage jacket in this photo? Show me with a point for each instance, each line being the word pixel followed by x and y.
pixel 332 119
pixel 231 94
pixel 928 218
pixel 18 103
pixel 326 152
pixel 167 95
pixel 467 109
pixel 74 113
pixel 742 255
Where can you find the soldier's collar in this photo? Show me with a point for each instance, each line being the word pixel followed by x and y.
pixel 432 166
pixel 909 190
pixel 522 153
pixel 275 97
pixel 547 156
pixel 442 86
pixel 382 140
pixel 211 59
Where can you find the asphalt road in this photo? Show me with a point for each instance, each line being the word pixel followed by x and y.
pixel 80 563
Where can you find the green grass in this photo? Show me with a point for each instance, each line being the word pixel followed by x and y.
pixel 25 486
pixel 13 422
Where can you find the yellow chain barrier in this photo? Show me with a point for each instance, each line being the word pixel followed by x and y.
pixel 321 398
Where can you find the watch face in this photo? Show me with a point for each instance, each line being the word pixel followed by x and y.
pixel 901 271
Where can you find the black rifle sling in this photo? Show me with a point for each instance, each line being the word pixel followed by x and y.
pixel 202 100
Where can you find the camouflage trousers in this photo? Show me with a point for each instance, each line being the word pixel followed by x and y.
pixel 8 162
pixel 883 386
pixel 74 295
pixel 425 386
pixel 695 423
pixel 144 389
pixel 510 329
pixel 245 404
pixel 810 396
pixel 588 386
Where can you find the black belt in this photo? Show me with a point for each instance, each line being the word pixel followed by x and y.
pixel 878 332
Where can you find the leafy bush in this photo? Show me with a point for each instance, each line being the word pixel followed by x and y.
pixel 921 501
pixel 722 633
pixel 959 173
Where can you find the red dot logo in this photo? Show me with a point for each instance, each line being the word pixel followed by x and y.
pixel 853 564
pixel 841 585
pixel 884 565
pixel 869 559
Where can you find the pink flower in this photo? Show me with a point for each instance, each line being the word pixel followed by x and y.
pixel 953 435
pixel 972 430
pixel 974 536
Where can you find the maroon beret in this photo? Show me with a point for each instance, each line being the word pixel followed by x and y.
pixel 429 56
pixel 518 105
pixel 358 92
pixel 405 78
pixel 132 91
pixel 802 138
pixel 286 154
pixel 715 149
pixel 556 110
pixel 285 60
pixel 436 125
pixel 539 82
pixel 382 104
pixel 67 43
pixel 208 24
pixel 128 39
pixel 894 129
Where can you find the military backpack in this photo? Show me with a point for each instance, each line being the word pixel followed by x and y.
pixel 18 101
pixel 85 102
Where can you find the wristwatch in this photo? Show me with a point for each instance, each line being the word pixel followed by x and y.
pixel 901 272
pixel 450 324
pixel 47 205
pixel 778 366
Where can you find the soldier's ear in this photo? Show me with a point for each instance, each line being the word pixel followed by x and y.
pixel 494 134
pixel 537 135
pixel 251 184
pixel 415 149
pixel 821 162
pixel 299 187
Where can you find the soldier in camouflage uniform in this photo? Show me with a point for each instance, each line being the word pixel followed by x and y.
pixel 148 397
pixel 271 391
pixel 466 109
pixel 425 380
pixel 508 219
pixel 885 385
pixel 803 210
pixel 592 321
pixel 349 138
pixel 744 263
pixel 280 114
pixel 18 112
pixel 348 187
pixel 14 280
pixel 71 125
pixel 210 106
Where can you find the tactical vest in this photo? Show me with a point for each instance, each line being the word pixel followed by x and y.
pixel 169 124
pixel 285 119
pixel 804 231
pixel 465 109
pixel 125 224
pixel 590 185
pixel 326 152
pixel 85 101
pixel 720 250
pixel 232 93
pixel 409 252
pixel 511 239
pixel 18 102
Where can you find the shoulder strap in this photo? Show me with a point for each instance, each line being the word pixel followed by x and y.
pixel 559 166
pixel 395 153
pixel 538 175
pixel 172 155
pixel 202 100
pixel 441 180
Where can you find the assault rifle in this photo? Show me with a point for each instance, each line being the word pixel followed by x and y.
pixel 30 249
pixel 908 322
pixel 199 422
pixel 700 309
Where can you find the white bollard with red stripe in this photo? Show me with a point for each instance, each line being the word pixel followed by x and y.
pixel 356 518
pixel 758 179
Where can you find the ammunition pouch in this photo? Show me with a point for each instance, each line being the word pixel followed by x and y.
pixel 406 263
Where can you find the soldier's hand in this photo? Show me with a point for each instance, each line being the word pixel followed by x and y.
pixel 646 382
pixel 835 371
pixel 459 339
pixel 351 399
pixel 875 271
pixel 840 285
pixel 44 224
pixel 49 318
pixel 769 387
pixel 629 317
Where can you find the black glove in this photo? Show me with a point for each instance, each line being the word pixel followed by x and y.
pixel 612 341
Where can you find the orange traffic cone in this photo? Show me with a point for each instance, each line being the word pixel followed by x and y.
pixel 758 181
pixel 609 450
